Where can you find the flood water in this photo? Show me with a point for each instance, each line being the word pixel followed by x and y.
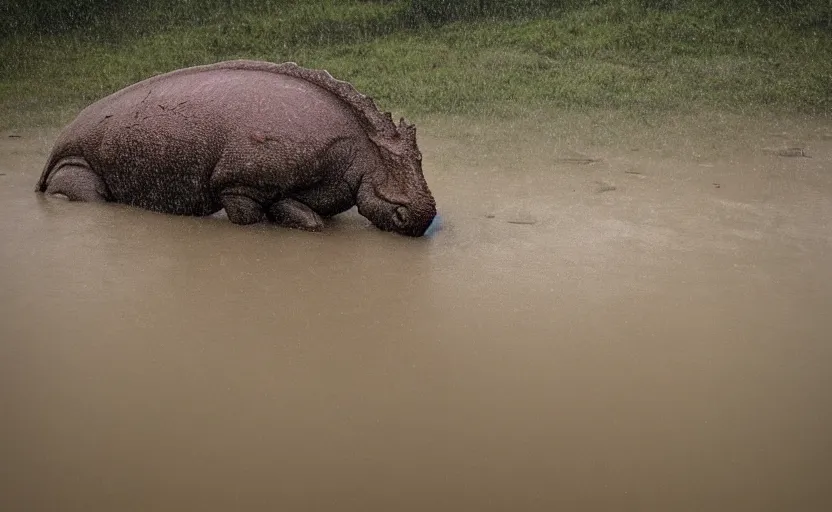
pixel 631 326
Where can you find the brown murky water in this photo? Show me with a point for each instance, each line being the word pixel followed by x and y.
pixel 604 323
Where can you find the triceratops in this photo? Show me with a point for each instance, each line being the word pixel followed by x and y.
pixel 258 139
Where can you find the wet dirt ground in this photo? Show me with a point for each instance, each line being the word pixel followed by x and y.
pixel 609 319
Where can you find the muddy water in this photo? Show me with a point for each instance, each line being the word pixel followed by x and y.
pixel 637 325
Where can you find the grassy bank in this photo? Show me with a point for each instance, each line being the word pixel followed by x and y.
pixel 607 55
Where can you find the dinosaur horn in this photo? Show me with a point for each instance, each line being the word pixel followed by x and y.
pixel 406 129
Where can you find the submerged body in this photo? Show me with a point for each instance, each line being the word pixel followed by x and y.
pixel 260 140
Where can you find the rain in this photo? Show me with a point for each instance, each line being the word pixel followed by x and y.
pixel 620 301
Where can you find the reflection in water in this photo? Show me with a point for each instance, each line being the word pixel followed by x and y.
pixel 662 346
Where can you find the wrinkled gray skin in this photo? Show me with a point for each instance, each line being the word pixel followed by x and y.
pixel 261 140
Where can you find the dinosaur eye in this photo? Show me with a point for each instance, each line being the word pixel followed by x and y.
pixel 400 216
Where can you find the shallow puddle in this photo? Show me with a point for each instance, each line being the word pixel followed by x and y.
pixel 595 327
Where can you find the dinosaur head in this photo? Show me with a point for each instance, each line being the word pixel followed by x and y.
pixel 396 197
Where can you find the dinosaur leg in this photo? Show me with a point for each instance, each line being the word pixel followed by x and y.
pixel 294 214
pixel 77 183
pixel 241 209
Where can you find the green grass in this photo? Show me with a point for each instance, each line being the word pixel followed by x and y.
pixel 605 55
